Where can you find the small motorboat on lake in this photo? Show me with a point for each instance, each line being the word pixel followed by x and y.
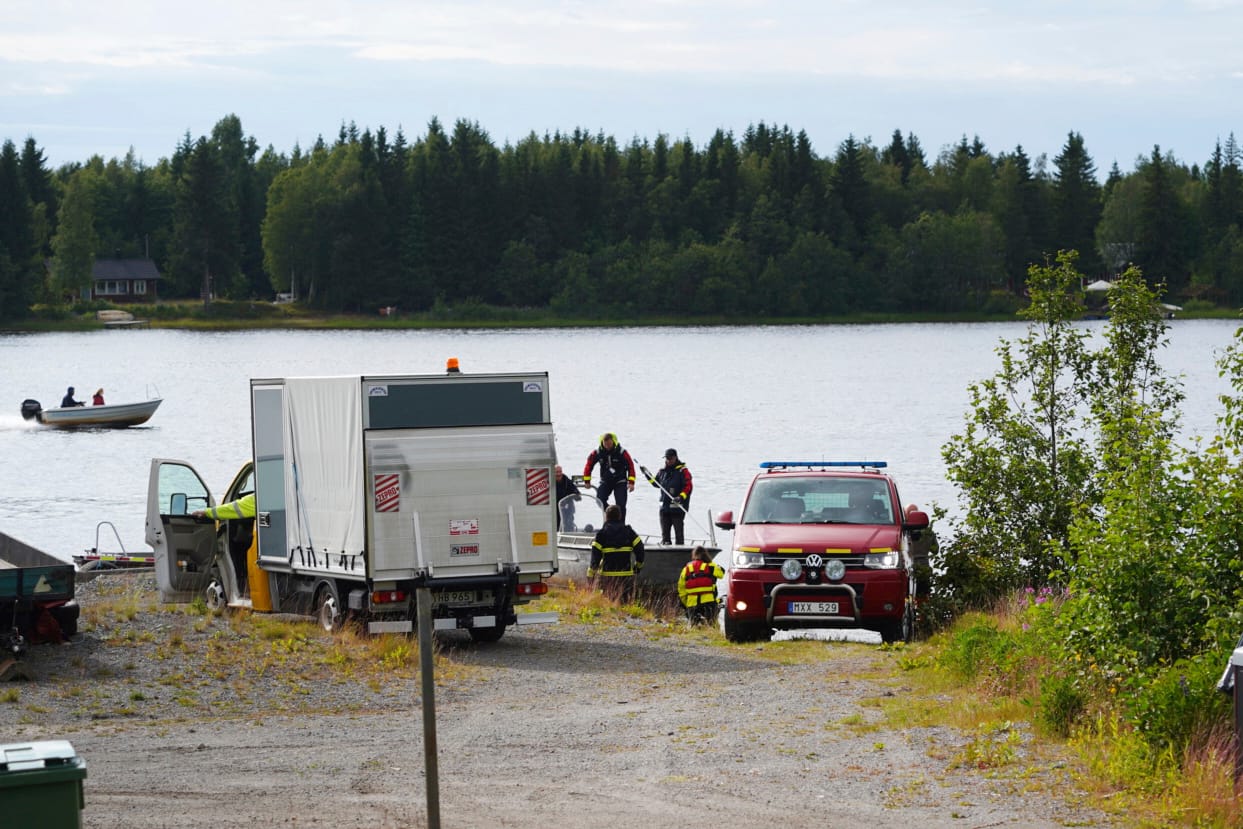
pixel 108 416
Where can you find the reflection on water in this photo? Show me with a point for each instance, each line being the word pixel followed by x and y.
pixel 725 397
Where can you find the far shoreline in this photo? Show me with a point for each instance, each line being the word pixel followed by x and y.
pixel 241 316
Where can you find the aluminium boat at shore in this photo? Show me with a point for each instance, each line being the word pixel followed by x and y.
pixel 108 416
pixel 582 517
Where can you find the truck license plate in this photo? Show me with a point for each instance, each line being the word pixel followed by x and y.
pixel 823 608
pixel 464 596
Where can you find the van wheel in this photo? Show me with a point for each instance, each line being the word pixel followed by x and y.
pixel 736 631
pixel 328 607
pixel 901 630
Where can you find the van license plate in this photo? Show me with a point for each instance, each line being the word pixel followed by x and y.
pixel 823 608
pixel 464 596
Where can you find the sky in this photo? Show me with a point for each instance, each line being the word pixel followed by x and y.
pixel 89 78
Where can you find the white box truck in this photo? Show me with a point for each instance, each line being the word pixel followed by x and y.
pixel 367 488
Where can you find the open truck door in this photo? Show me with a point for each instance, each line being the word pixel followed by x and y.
pixel 185 547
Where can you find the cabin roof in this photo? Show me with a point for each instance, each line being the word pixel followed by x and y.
pixel 125 269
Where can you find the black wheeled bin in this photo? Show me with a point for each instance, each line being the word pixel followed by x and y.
pixel 41 785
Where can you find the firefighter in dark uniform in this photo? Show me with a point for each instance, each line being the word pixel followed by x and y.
pixel 674 483
pixel 697 586
pixel 616 555
pixel 616 471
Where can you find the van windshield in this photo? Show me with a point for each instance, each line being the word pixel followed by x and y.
pixel 819 499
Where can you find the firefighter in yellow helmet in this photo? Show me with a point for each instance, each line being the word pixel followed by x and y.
pixel 697 586
pixel 616 471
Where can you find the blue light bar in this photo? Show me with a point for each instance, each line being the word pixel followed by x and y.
pixel 810 464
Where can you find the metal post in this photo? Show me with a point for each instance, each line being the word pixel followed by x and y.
pixel 1236 665
pixel 423 596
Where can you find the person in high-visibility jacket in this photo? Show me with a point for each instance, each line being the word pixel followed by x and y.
pixel 243 507
pixel 242 547
pixel 616 555
pixel 697 586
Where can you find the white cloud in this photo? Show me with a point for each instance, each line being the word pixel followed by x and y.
pixel 1093 43
pixel 863 65
pixel 18 88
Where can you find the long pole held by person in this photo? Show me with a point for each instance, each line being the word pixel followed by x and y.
pixel 651 479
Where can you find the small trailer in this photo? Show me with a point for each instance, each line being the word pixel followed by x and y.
pixel 367 488
pixel 36 599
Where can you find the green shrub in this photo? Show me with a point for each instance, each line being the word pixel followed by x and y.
pixel 1061 704
pixel 1002 302
pixel 978 647
pixel 230 310
pixel 1178 704
pixel 53 312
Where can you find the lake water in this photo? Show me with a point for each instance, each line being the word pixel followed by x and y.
pixel 725 397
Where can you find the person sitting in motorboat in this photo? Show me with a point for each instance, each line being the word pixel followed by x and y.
pixel 98 399
pixel 68 402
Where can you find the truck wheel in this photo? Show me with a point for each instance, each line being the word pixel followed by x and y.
pixel 214 594
pixel 328 607
pixel 492 634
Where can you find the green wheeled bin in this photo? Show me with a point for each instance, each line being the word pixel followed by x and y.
pixel 41 785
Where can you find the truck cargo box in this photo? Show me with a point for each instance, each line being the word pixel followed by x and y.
pixel 404 477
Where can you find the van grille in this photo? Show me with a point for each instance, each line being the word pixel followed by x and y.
pixel 777 559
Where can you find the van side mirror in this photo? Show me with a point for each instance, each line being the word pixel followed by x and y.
pixel 915 521
pixel 177 504
pixel 725 520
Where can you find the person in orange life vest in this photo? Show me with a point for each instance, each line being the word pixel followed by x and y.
pixel 616 471
pixel 616 555
pixel 697 586
pixel 98 399
pixel 674 483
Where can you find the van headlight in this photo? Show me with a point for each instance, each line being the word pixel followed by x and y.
pixel 748 559
pixel 791 569
pixel 885 560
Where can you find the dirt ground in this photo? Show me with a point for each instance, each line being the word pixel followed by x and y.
pixel 566 725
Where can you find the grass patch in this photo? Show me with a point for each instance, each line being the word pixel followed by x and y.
pixel 992 746
pixel 988 677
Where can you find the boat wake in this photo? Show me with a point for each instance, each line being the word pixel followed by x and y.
pixel 13 423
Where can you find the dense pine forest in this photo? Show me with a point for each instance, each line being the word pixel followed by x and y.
pixel 752 226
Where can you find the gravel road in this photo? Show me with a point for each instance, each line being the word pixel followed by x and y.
pixel 567 725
